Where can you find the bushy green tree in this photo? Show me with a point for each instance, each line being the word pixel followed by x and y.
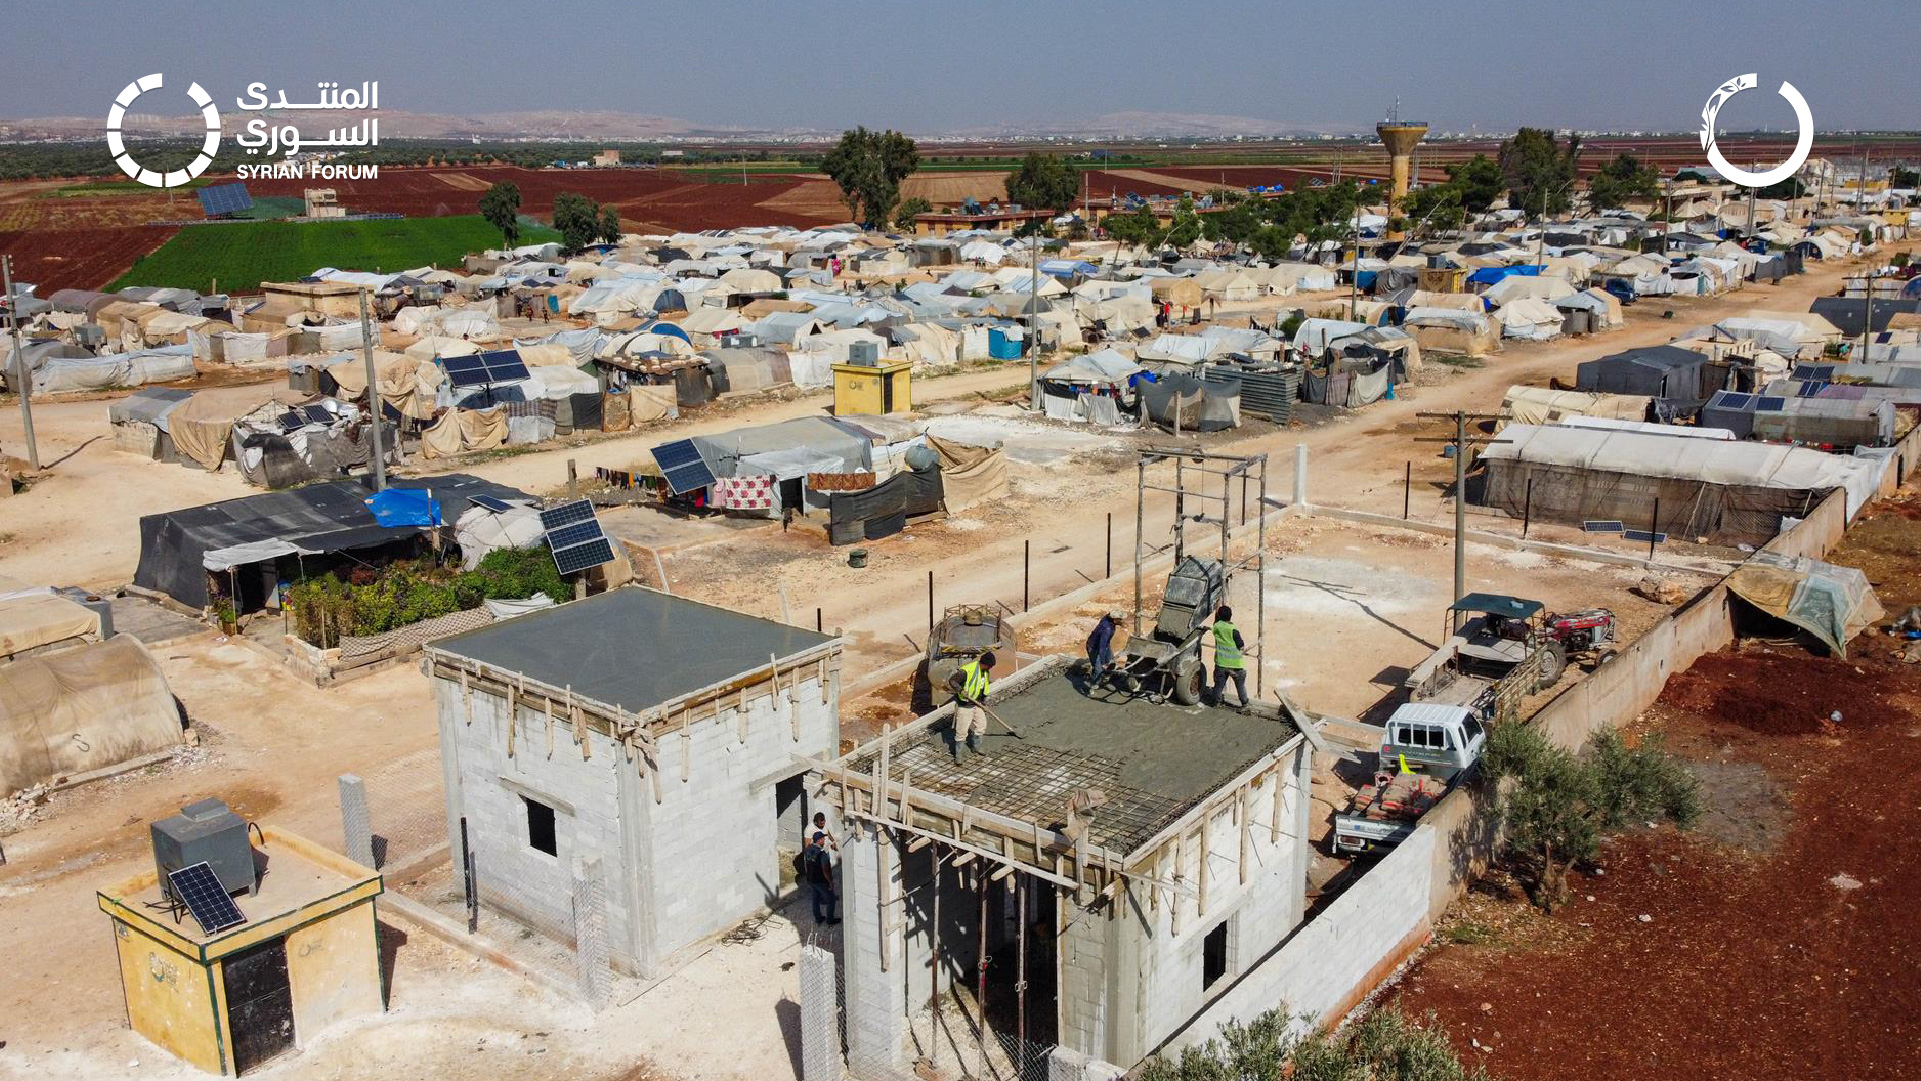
pixel 1621 180
pixel 1559 805
pixel 500 205
pixel 1138 226
pixel 609 224
pixel 1185 229
pixel 578 219
pixel 1903 177
pixel 868 166
pixel 1043 182
pixel 1537 168
pixel 909 209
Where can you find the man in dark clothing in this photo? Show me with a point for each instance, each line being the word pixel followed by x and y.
pixel 1100 648
pixel 1228 662
pixel 817 867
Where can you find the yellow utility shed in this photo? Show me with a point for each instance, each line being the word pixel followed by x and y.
pixel 307 957
pixel 872 388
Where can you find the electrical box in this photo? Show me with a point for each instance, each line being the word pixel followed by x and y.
pixel 866 354
pixel 206 831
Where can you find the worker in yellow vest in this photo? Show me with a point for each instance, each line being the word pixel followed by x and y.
pixel 1228 661
pixel 969 684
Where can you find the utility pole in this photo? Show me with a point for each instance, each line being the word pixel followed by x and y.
pixel 373 394
pixel 1034 321
pixel 1459 440
pixel 22 375
pixel 1354 289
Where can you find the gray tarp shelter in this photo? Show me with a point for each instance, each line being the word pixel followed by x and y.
pixel 1730 492
pixel 318 519
pixel 1660 371
pixel 786 451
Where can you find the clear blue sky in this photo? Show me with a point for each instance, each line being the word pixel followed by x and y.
pixel 926 66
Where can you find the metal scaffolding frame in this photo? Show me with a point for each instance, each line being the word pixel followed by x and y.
pixel 1249 468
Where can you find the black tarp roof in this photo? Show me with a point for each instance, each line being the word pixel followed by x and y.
pixel 1661 371
pixel 329 517
pixel 631 647
pixel 1847 313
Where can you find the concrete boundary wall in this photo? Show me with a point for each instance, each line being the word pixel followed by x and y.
pixel 1335 960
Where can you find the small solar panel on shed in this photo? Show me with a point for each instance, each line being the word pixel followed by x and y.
pixel 569 535
pixel 1810 390
pixel 681 464
pixel 1728 399
pixel 292 421
pixel 1770 404
pixel 200 890
pixel 217 199
pixel 580 510
pixel 487 502
pixel 579 557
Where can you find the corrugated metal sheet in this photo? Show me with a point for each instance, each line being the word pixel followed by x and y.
pixel 1270 393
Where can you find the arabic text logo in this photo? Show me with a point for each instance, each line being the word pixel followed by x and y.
pixel 117 146
pixel 1786 169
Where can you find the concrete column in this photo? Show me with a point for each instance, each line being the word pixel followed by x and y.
pixel 871 953
pixel 819 1016
pixel 590 933
pixel 1300 474
pixel 1066 1065
pixel 356 823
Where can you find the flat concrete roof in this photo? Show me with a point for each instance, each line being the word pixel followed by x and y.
pixel 1154 762
pixel 632 647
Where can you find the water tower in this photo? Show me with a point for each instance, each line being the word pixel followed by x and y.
pixel 1399 137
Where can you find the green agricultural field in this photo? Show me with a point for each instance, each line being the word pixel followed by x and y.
pixel 240 257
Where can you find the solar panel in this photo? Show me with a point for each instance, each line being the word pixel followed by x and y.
pixel 292 421
pixel 566 514
pixel 680 463
pixel 1593 526
pixel 467 371
pixel 504 366
pixel 1727 399
pixel 570 535
pixel 318 414
pixel 1644 535
pixel 200 890
pixel 487 502
pixel 1810 390
pixel 1770 404
pixel 579 557
pixel 217 199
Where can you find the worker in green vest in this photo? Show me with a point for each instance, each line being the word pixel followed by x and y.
pixel 969 684
pixel 1228 662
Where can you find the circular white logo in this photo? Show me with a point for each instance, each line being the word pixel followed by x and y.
pixel 1788 168
pixel 117 146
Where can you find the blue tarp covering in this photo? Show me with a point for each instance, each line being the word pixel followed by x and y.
pixel 1491 274
pixel 398 507
pixel 669 329
pixel 1067 268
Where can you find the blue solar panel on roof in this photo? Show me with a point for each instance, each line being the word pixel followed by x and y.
pixel 579 557
pixel 1727 399
pixel 1770 404
pixel 570 535
pixel 566 514
pixel 487 502
pixel 680 463
pixel 1810 390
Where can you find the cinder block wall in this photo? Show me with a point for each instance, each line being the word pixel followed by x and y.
pixel 1128 981
pixel 487 786
pixel 714 835
pixel 678 870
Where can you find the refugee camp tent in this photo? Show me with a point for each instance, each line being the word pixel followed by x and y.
pixel 1728 491
pixel 1833 603
pixel 83 709
pixel 1528 319
pixel 1657 371
pixel 1184 402
pixel 179 548
pixel 202 426
pixel 35 619
pixel 1847 314
pixel 408 385
pixel 1824 422
pixel 1541 405
pixel 1094 387
pixel 1449 330
pixel 140 421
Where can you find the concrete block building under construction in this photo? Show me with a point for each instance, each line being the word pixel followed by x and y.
pixel 1002 886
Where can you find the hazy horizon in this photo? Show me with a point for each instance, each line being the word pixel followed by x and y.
pixel 1632 65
